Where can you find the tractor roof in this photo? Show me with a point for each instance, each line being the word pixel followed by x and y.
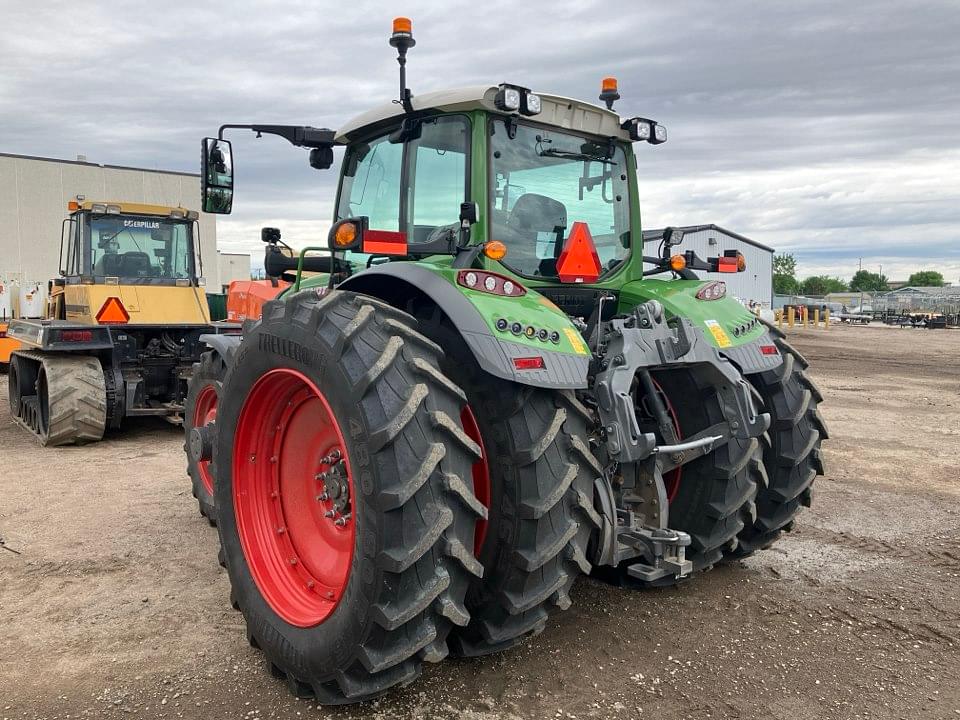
pixel 128 208
pixel 556 110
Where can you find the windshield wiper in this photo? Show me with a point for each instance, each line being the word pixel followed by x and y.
pixel 571 155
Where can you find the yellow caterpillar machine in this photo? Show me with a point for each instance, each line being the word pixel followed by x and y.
pixel 123 324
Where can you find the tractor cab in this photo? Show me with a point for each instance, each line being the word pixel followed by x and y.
pixel 127 253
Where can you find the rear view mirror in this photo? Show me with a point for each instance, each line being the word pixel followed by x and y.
pixel 216 176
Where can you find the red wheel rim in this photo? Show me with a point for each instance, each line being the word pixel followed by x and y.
pixel 481 474
pixel 204 413
pixel 671 480
pixel 297 539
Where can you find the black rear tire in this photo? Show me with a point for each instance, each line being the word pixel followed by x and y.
pixel 541 512
pixel 207 377
pixel 415 514
pixel 717 491
pixel 791 448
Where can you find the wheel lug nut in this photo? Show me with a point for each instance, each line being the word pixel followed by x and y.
pixel 310 584
pixel 329 513
pixel 293 561
pixel 281 530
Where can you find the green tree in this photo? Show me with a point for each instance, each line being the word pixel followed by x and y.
pixel 926 278
pixel 785 284
pixel 868 281
pixel 822 285
pixel 785 264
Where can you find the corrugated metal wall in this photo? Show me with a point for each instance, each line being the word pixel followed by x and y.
pixel 756 283
pixel 33 203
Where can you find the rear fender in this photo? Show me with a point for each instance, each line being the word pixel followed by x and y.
pixel 474 315
pixel 224 345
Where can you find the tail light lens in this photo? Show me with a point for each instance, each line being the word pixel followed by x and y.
pixel 492 283
pixel 76 336
pixel 712 291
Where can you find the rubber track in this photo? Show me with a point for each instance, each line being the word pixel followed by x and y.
pixel 77 398
pixel 426 568
pixel 791 448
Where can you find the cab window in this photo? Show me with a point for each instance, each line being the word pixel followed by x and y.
pixel 436 166
pixel 438 172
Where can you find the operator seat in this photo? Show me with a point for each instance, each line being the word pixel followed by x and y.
pixel 108 265
pixel 135 264
pixel 531 215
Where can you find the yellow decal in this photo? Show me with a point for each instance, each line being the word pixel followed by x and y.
pixel 723 340
pixel 574 337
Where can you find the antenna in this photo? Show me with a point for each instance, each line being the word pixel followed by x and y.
pixel 402 40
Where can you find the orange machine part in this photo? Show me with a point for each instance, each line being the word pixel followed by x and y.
pixel 7 345
pixel 245 298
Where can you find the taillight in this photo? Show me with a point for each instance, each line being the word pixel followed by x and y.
pixel 529 363
pixel 492 283
pixel 769 350
pixel 76 336
pixel 712 291
pixel 727 264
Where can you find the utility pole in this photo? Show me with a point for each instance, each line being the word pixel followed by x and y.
pixel 859 268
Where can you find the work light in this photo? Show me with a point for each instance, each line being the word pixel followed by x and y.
pixel 531 104
pixel 645 129
pixel 508 98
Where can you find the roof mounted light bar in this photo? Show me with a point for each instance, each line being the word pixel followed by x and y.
pixel 514 98
pixel 645 129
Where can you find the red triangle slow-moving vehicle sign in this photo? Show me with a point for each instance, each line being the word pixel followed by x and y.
pixel 579 262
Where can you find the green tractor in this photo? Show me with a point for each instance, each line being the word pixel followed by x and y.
pixel 482 393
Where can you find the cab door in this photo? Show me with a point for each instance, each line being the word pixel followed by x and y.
pixel 413 188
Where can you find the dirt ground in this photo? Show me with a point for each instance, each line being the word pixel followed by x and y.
pixel 112 603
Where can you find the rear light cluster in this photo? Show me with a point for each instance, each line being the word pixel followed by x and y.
pixel 769 350
pixel 492 283
pixel 712 291
pixel 529 363
pixel 528 331
pixel 745 327
pixel 75 336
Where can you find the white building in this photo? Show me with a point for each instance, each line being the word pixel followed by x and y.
pixel 34 193
pixel 754 284
pixel 233 266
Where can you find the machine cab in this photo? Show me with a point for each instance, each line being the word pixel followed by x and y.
pixel 127 251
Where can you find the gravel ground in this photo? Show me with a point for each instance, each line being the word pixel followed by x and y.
pixel 112 603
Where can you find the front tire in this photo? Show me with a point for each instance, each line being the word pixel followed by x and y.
pixel 344 387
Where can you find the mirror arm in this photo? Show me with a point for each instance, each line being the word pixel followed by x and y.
pixel 299 135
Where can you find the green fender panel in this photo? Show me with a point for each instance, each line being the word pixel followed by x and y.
pixel 721 320
pixel 475 314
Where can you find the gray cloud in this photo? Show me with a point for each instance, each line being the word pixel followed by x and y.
pixel 825 129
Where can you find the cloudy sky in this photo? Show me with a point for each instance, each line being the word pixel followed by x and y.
pixel 827 129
